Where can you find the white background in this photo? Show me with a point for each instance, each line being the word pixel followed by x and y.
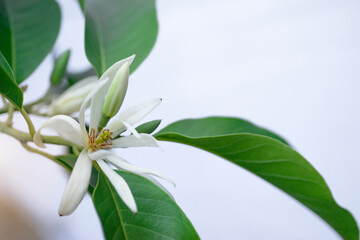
pixel 290 66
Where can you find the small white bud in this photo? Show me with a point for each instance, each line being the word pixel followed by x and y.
pixel 117 91
pixel 70 101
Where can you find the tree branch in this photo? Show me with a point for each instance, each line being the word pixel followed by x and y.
pixel 24 137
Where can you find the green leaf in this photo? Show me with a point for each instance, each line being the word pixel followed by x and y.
pixel 8 86
pixel 28 30
pixel 216 126
pixel 274 162
pixel 158 215
pixel 148 127
pixel 67 161
pixel 59 68
pixel 117 29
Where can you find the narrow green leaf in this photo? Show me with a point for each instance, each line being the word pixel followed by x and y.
pixel 118 29
pixel 59 68
pixel 8 86
pixel 158 215
pixel 148 127
pixel 28 30
pixel 273 161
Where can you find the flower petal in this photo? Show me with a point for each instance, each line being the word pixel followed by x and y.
pixel 82 83
pixel 99 97
pixel 131 128
pixel 122 164
pixel 100 86
pixel 66 107
pixel 65 126
pixel 81 86
pixel 70 101
pixel 132 115
pixel 111 71
pixel 144 140
pixel 77 185
pixel 96 104
pixel 120 185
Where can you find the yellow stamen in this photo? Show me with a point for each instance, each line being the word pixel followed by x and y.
pixel 100 140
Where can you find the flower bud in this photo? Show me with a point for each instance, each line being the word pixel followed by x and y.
pixel 70 101
pixel 117 91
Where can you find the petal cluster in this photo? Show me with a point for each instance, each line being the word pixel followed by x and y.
pixel 70 101
pixel 97 142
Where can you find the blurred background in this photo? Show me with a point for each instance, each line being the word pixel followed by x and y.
pixel 289 66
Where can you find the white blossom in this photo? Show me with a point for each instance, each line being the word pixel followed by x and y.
pixel 70 100
pixel 97 143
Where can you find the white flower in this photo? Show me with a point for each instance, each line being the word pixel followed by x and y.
pixel 70 101
pixel 97 143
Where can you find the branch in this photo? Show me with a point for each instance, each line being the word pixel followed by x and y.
pixel 34 150
pixel 28 121
pixel 49 156
pixel 10 116
pixel 24 137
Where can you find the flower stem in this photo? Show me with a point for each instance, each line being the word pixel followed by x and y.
pixel 47 155
pixel 26 137
pixel 38 113
pixel 3 100
pixel 40 100
pixel 28 121
pixel 10 116
pixel 34 150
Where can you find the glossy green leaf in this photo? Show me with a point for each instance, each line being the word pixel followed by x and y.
pixel 8 86
pixel 118 29
pixel 158 215
pixel 28 30
pixel 271 160
pixel 148 127
pixel 216 126
pixel 59 68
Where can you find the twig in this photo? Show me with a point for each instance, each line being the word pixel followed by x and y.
pixel 28 121
pixel 47 155
pixel 34 150
pixel 26 137
pixel 10 116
